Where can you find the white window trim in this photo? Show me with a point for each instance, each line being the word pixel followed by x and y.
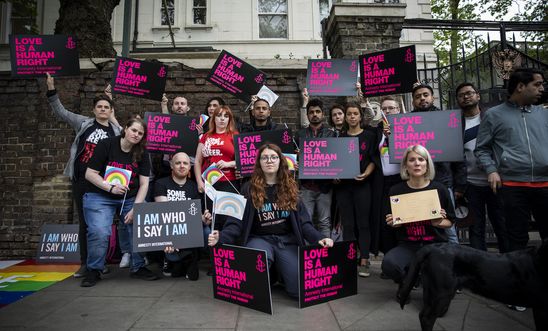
pixel 190 16
pixel 256 25
pixel 157 16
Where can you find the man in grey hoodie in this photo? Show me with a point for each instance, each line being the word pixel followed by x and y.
pixel 512 147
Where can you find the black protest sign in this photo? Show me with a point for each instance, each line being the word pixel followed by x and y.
pixel 58 244
pixel 439 131
pixel 141 79
pixel 169 134
pixel 327 274
pixel 34 55
pixel 322 158
pixel 157 225
pixel 236 76
pixel 332 77
pixel 246 146
pixel 240 276
pixel 388 72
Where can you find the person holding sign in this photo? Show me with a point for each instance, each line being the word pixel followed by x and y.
pixel 89 131
pixel 354 195
pixel 211 105
pixel 276 220
pixel 178 187
pixel 217 146
pixel 417 169
pixel 179 106
pixel 103 199
pixel 336 119
pixel 259 119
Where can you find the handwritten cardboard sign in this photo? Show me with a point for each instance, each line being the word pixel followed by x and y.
pixel 169 134
pixel 332 77
pixel 142 79
pixel 327 274
pixel 33 56
pixel 439 131
pixel 236 76
pixel 246 146
pixel 322 158
pixel 391 71
pixel 240 276
pixel 157 225
pixel 58 244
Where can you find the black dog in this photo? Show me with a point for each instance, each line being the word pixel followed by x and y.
pixel 518 278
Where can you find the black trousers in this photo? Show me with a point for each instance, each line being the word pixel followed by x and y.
pixel 78 190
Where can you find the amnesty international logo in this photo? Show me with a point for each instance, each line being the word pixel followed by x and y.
pixel 192 210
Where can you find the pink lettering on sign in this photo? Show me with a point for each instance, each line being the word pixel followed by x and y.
pixel 27 55
pixel 314 155
pixel 373 74
pixel 156 133
pixel 320 75
pixel 224 274
pixel 316 275
pixel 247 146
pixel 226 69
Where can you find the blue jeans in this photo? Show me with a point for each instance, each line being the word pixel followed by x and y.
pixel 321 203
pixel 98 212
pixel 452 231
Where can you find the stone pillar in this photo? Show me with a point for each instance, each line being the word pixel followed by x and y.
pixel 358 27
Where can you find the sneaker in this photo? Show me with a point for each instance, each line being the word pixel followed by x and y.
pixel 106 270
pixel 143 273
pixel 517 308
pixel 81 272
pixel 92 277
pixel 363 270
pixel 147 262
pixel 126 259
pixel 166 270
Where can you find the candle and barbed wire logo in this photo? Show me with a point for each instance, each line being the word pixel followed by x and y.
pixel 261 266
pixel 409 56
pixel 351 252
pixel 162 72
pixel 70 43
pixel 286 139
pixel 259 78
pixel 192 210
pixel 192 125
pixel 453 121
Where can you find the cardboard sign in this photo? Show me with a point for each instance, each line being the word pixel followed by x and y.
pixel 327 274
pixel 241 276
pixel 332 77
pixel 392 71
pixel 415 207
pixel 169 134
pixel 160 224
pixel 141 79
pixel 236 76
pixel 58 244
pixel 439 131
pixel 246 146
pixel 322 158
pixel 33 56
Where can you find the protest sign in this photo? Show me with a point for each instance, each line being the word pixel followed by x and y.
pixel 58 244
pixel 142 79
pixel 332 77
pixel 236 76
pixel 327 274
pixel 34 55
pixel 169 134
pixel 322 158
pixel 240 276
pixel 160 224
pixel 391 71
pixel 439 131
pixel 246 146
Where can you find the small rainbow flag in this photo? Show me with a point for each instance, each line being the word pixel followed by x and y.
pixel 115 175
pixel 212 174
pixel 291 160
pixel 203 118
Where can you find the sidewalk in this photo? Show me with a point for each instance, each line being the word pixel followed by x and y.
pixel 121 303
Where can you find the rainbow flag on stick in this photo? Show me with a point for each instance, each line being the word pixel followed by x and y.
pixel 212 174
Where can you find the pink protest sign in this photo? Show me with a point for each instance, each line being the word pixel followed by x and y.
pixel 439 131
pixel 142 79
pixel 322 158
pixel 332 77
pixel 327 274
pixel 388 72
pixel 33 56
pixel 170 134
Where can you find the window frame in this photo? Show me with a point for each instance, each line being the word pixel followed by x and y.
pixel 286 14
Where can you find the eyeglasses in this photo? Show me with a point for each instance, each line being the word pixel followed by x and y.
pixel 466 94
pixel 271 158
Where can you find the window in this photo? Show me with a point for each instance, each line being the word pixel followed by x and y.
pixel 170 17
pixel 199 11
pixel 272 18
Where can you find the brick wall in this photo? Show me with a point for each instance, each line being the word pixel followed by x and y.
pixel 34 145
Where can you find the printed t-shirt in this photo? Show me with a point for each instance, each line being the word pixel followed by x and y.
pixel 86 145
pixel 174 192
pixel 270 219
pixel 217 147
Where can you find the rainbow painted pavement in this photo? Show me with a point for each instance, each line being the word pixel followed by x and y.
pixel 22 279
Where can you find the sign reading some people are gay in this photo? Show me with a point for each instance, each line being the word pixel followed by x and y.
pixel 240 276
pixel 142 79
pixel 33 56
pixel 246 146
pixel 391 71
pixel 236 76
pixel 332 77
pixel 439 131
pixel 169 134
pixel 327 274
pixel 58 244
pixel 157 225
pixel 322 158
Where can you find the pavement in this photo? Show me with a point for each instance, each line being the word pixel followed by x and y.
pixel 122 303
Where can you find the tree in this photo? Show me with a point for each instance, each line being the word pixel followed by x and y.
pixel 89 21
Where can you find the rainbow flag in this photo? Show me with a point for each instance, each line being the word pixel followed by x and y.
pixel 18 281
pixel 291 160
pixel 212 174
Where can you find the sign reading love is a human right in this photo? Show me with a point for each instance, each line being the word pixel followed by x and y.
pixel 142 79
pixel 332 77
